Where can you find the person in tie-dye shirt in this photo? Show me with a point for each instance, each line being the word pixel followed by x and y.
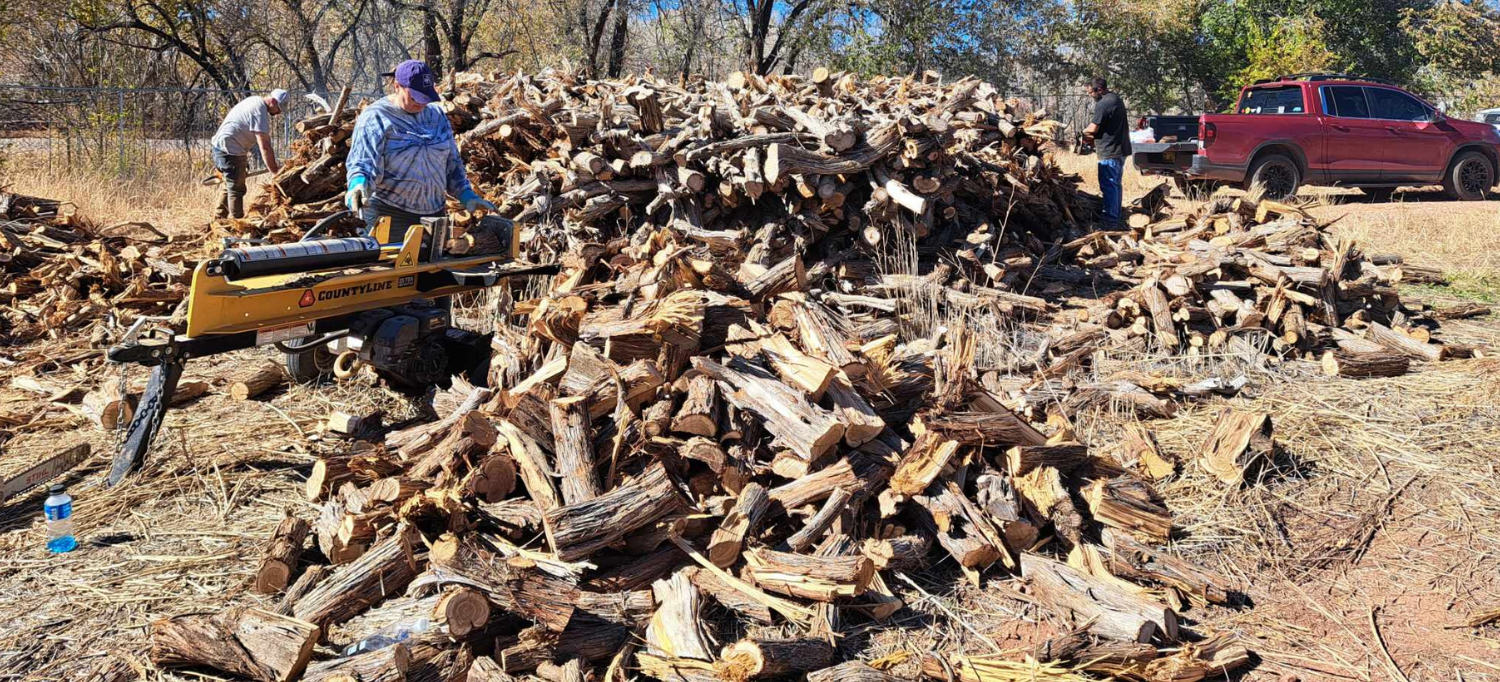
pixel 403 160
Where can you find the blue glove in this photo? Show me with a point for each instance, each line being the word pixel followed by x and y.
pixel 473 202
pixel 358 194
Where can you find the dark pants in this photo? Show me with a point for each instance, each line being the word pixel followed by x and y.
pixel 233 169
pixel 1110 173
pixel 401 221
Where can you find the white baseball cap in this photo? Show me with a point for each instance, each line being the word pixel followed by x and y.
pixel 279 95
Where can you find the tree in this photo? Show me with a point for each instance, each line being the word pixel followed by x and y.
pixel 448 31
pixel 294 33
pixel 770 26
pixel 194 29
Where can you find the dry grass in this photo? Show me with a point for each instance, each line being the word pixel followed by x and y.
pixel 168 196
pixel 1133 182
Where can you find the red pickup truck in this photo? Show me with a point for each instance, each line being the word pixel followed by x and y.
pixel 1330 130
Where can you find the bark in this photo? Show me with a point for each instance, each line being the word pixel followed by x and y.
pixel 279 560
pixel 576 531
pixel 252 643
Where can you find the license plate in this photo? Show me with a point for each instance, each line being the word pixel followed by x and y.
pixel 283 333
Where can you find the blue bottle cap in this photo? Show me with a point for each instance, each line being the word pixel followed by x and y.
pixel 55 489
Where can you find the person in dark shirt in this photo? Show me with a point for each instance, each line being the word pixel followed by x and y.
pixel 1110 133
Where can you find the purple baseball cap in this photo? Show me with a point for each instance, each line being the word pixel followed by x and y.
pixel 415 75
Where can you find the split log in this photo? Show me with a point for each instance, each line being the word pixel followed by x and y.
pixel 836 505
pixel 1141 449
pixel 1365 365
pixel 1104 657
pixel 900 553
pixel 387 664
pixel 677 630
pixel 985 429
pixel 280 557
pixel 725 544
pixel 251 643
pixel 810 577
pixel 729 596
pixel 1133 560
pixel 1065 457
pixel 468 441
pixel 961 528
pixel 576 531
pixel 531 465
pixel 750 659
pixel 807 430
pixel 852 671
pixel 1130 505
pixel 1109 609
pixel 700 409
pixel 808 374
pixel 1046 500
pixel 1398 342
pixel 921 464
pixel 485 669
pixel 349 425
pixel 382 571
pixel 522 589
pixel 1240 443
pixel 304 584
pixel 574 449
pixel 861 423
pixel 268 376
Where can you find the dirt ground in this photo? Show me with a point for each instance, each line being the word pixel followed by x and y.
pixel 1361 556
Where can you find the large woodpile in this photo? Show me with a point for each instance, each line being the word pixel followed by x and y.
pixel 757 167
pixel 1250 277
pixel 719 440
pixel 59 276
pixel 758 395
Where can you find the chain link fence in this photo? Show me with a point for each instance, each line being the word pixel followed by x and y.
pixel 128 132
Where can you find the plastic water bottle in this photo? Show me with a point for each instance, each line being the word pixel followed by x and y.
pixel 394 633
pixel 59 510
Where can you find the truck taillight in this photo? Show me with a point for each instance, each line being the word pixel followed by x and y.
pixel 1207 132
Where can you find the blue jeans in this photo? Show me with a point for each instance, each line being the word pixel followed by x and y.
pixel 1110 172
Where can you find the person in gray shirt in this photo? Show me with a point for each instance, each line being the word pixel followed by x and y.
pixel 247 126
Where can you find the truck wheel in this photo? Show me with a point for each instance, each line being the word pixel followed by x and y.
pixel 310 365
pixel 1471 176
pixel 1276 174
pixel 1194 190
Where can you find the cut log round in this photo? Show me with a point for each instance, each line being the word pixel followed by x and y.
pixel 280 558
pixel 750 659
pixel 1365 365
pixel 268 376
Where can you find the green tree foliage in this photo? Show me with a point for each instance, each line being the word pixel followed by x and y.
pixel 1287 45
pixel 1459 44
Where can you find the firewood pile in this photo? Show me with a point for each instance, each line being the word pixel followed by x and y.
pixel 715 444
pixel 1249 277
pixel 758 166
pixel 758 397
pixel 60 275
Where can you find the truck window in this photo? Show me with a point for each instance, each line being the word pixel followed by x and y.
pixel 1391 105
pixel 1283 100
pixel 1346 101
pixel 1492 119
